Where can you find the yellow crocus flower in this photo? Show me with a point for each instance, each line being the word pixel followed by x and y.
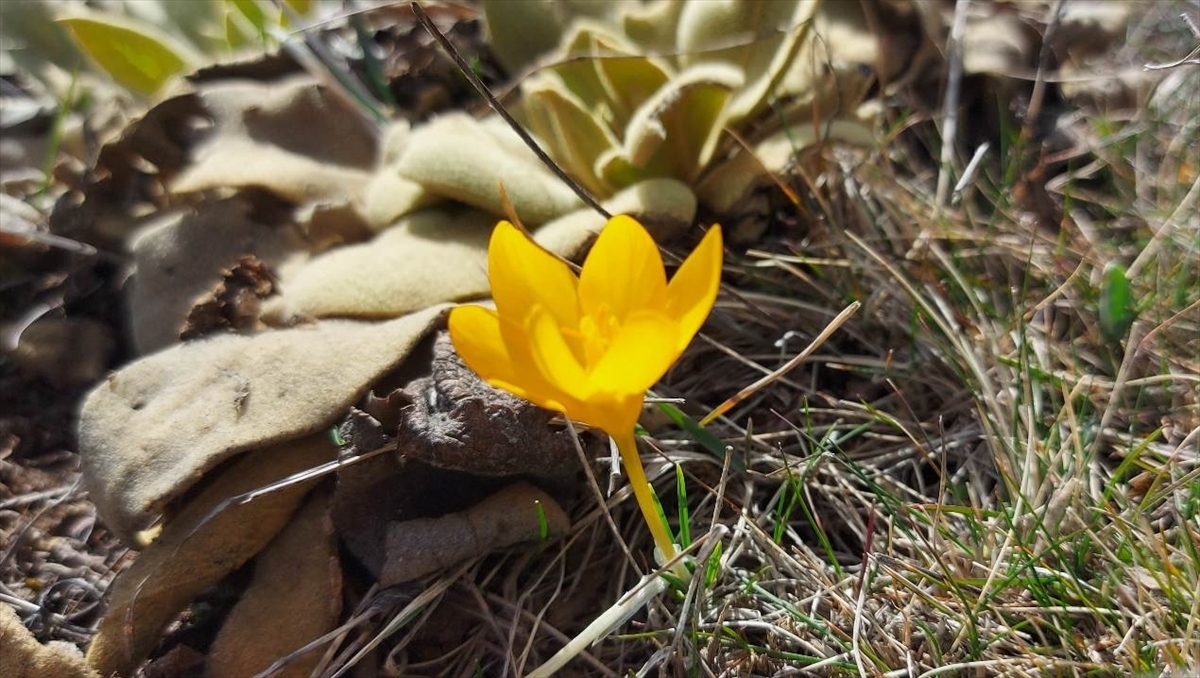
pixel 589 346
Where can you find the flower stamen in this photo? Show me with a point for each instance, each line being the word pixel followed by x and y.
pixel 598 332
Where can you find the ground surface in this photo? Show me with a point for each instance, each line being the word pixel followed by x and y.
pixel 1023 513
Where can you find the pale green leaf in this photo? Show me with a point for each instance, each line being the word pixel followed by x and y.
pixel 254 14
pixel 196 22
pixel 301 7
pixel 131 53
pixel 575 137
pixel 1117 311
pixel 675 131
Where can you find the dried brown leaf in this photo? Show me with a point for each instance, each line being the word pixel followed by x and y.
pixel 181 257
pixel 289 136
pixel 22 656
pixel 295 597
pixel 234 303
pixel 422 546
pixel 198 548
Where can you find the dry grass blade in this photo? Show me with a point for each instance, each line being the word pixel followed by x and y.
pixel 750 390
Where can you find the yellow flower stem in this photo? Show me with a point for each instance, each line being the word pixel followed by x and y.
pixel 627 444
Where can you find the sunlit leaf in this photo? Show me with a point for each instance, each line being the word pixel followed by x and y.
pixel 574 135
pixel 130 52
pixel 713 567
pixel 301 6
pixel 685 529
pixel 254 14
pixel 195 23
pixel 236 28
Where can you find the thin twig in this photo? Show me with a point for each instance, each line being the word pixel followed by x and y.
pixel 316 59
pixel 968 174
pixel 486 93
pixel 1191 57
pixel 950 103
pixel 791 364
pixel 647 588
pixel 1038 95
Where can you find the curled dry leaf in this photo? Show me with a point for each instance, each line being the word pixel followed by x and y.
pixel 234 303
pixel 180 660
pixel 294 598
pixel 385 489
pixel 180 257
pixel 199 547
pixel 457 440
pixel 153 428
pixel 22 656
pixel 453 420
pixel 284 138
pixel 518 513
pixel 289 136
pixel 66 351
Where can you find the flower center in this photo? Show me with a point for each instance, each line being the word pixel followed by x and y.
pixel 598 331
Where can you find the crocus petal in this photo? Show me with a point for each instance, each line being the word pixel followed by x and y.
pixel 638 356
pixel 623 271
pixel 693 290
pixel 478 336
pixel 524 275
pixel 553 357
pixel 475 332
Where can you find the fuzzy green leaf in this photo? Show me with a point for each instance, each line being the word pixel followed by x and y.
pixel 675 131
pixel 254 14
pixel 766 43
pixel 574 135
